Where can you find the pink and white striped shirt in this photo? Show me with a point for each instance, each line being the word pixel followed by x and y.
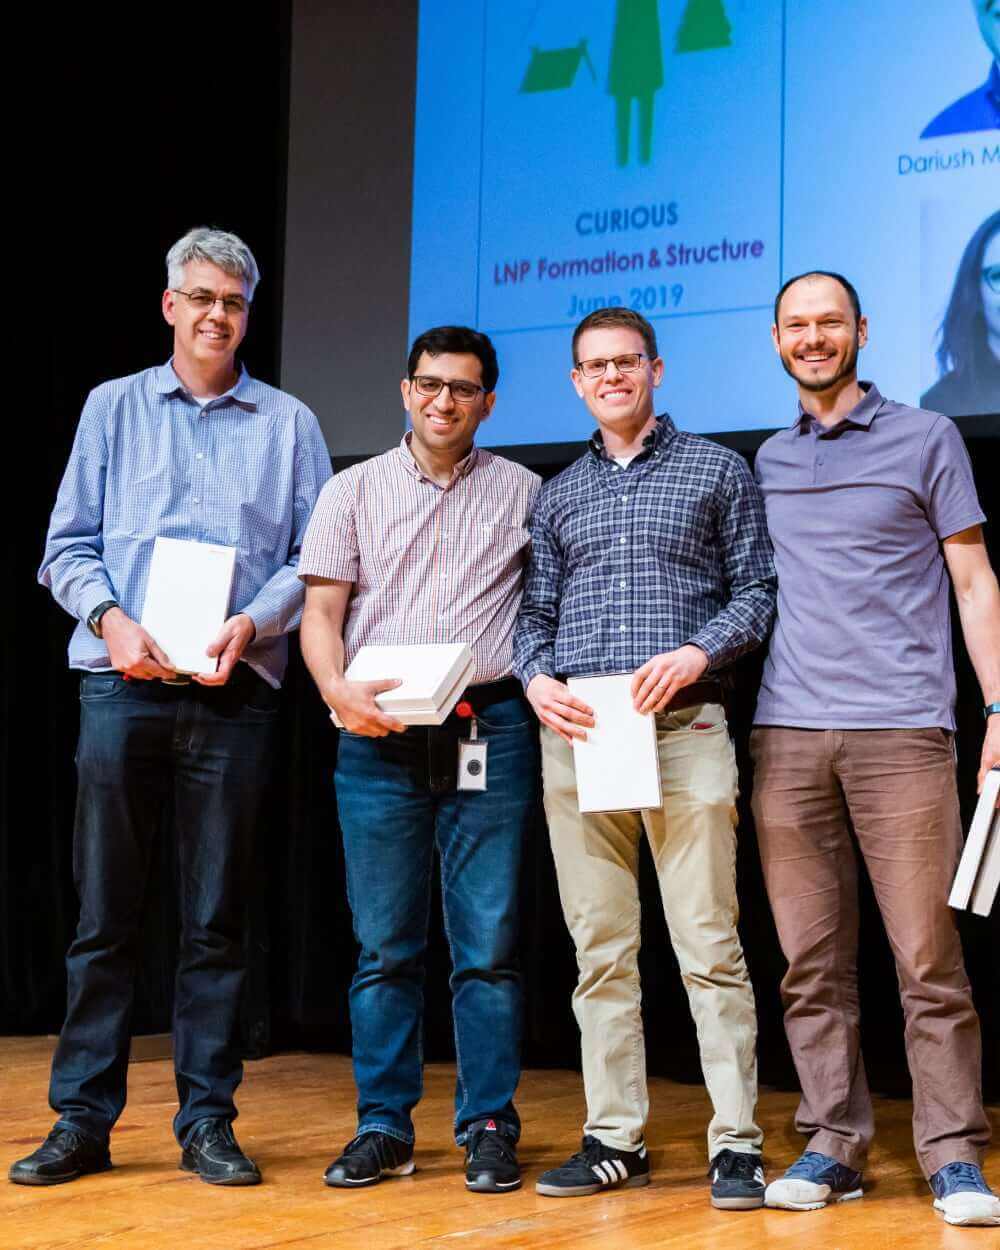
pixel 428 563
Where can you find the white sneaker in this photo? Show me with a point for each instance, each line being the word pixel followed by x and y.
pixel 963 1197
pixel 813 1181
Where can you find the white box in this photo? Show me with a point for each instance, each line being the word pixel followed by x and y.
pixel 187 600
pixel 433 675
pixel 618 766
pixel 978 876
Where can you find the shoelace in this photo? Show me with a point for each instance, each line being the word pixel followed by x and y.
pixel 593 1152
pixel 732 1163
pixel 369 1144
pixel 216 1132
pixel 805 1166
pixel 966 1173
pixel 487 1144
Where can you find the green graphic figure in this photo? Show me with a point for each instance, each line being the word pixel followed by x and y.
pixel 635 73
pixel 552 69
pixel 704 25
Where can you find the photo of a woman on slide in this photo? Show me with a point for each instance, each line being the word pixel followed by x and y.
pixel 969 352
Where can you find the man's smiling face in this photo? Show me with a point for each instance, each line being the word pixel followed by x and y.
pixel 817 335
pixel 617 399
pixel 206 336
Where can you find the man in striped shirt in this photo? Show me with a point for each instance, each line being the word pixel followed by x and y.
pixel 650 556
pixel 193 449
pixel 427 543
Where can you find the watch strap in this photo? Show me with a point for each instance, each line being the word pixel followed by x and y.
pixel 94 619
pixel 991 709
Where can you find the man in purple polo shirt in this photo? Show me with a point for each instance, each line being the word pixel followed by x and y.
pixel 871 506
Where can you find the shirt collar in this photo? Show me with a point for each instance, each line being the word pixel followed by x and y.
pixel 241 392
pixel 462 469
pixel 658 436
pixel 862 414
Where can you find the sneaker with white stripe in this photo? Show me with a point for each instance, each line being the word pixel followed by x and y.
pixel 737 1180
pixel 593 1168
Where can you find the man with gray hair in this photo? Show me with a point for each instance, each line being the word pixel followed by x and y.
pixel 192 449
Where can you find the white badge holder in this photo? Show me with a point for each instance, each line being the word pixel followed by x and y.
pixel 472 760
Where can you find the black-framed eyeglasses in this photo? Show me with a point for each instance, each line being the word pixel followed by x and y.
pixel 626 363
pixel 991 276
pixel 462 392
pixel 204 300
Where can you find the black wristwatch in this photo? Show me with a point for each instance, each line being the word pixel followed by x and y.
pixel 990 709
pixel 94 619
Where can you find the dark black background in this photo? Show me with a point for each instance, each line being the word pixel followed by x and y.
pixel 188 126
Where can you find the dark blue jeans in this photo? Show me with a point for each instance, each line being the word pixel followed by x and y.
pixel 202 754
pixel 397 799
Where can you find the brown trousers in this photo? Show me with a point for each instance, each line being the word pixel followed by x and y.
pixel 896 788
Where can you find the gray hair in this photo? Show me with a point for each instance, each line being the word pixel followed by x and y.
pixel 218 247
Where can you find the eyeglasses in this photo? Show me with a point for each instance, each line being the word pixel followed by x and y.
pixel 991 276
pixel 232 304
pixel 595 368
pixel 461 392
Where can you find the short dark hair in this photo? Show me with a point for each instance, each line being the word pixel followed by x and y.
pixel 852 293
pixel 457 339
pixel 601 317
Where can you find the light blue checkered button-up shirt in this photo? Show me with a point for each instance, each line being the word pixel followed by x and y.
pixel 149 460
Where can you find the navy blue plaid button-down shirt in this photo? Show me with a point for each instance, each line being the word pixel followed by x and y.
pixel 627 563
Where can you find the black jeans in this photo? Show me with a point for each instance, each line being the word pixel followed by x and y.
pixel 204 754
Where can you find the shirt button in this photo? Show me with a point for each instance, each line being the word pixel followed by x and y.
pixel 615 468
pixel 196 499
pixel 623 628
pixel 622 584
pixel 622 541
pixel 624 497
pixel 199 455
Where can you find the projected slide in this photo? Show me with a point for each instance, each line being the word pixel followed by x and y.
pixel 682 157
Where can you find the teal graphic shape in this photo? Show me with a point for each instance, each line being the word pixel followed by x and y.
pixel 703 26
pixel 554 69
pixel 635 74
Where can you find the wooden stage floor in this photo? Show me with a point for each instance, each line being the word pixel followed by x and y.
pixel 297 1111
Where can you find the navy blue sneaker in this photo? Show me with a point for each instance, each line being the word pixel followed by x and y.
pixel 737 1181
pixel 963 1197
pixel 811 1182
pixel 593 1168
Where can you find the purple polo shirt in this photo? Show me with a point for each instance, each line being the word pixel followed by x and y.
pixel 857 514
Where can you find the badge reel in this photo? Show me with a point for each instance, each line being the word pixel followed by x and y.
pixel 471 753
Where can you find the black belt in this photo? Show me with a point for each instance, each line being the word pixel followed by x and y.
pixel 689 696
pixel 479 698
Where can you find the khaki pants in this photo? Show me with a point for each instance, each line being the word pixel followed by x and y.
pixel 896 787
pixel 693 841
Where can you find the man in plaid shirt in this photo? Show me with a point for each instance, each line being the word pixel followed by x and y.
pixel 650 555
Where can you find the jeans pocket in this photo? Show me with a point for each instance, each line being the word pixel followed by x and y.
pixel 508 714
pixel 96 686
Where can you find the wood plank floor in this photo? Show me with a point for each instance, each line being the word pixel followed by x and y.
pixel 297 1111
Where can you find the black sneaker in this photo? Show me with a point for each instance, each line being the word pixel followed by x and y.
pixel 594 1168
pixel 737 1181
pixel 367 1158
pixel 63 1156
pixel 215 1155
pixel 491 1165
